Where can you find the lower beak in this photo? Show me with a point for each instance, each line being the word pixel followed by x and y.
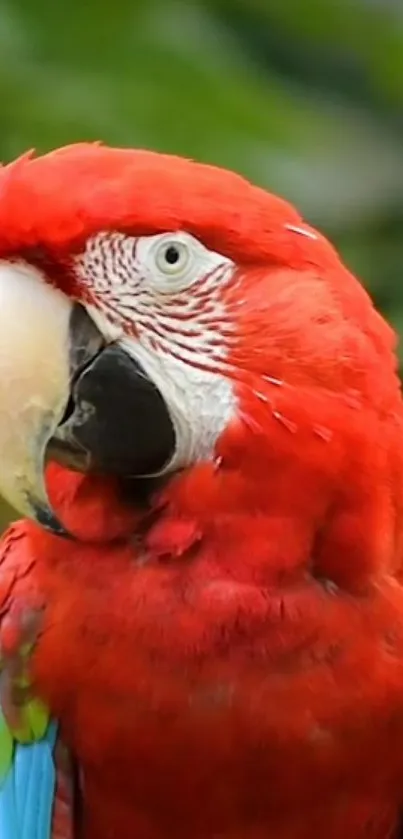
pixel 67 395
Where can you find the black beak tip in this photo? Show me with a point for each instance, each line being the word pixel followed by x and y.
pixel 47 519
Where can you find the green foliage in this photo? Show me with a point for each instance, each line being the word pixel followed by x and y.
pixel 304 97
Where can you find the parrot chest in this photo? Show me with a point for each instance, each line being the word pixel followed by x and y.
pixel 205 708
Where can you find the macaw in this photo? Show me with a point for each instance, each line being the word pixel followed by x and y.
pixel 201 612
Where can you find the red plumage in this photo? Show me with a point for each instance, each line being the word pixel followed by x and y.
pixel 229 661
pixel 62 198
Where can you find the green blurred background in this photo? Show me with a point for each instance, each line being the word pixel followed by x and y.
pixel 302 96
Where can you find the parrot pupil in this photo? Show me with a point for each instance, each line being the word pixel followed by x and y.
pixel 172 255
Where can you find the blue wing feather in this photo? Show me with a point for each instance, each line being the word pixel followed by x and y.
pixel 28 790
pixel 8 812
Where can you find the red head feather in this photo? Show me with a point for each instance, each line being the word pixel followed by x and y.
pixel 60 199
pixel 314 363
pixel 50 205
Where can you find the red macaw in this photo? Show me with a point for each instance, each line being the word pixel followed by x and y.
pixel 206 593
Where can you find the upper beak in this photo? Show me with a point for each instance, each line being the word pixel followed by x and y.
pixel 66 395
pixel 34 385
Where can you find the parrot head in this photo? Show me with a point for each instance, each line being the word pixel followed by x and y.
pixel 158 314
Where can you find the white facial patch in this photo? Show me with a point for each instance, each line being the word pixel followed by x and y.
pixel 160 297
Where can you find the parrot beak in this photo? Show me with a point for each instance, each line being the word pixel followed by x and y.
pixel 34 385
pixel 67 395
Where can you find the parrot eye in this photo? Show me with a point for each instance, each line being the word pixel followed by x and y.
pixel 174 261
pixel 172 257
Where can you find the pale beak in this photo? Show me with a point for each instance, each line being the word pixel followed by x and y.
pixel 67 395
pixel 34 384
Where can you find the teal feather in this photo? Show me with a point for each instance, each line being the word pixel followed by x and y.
pixel 27 790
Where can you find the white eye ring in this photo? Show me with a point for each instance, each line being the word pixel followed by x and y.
pixel 172 257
